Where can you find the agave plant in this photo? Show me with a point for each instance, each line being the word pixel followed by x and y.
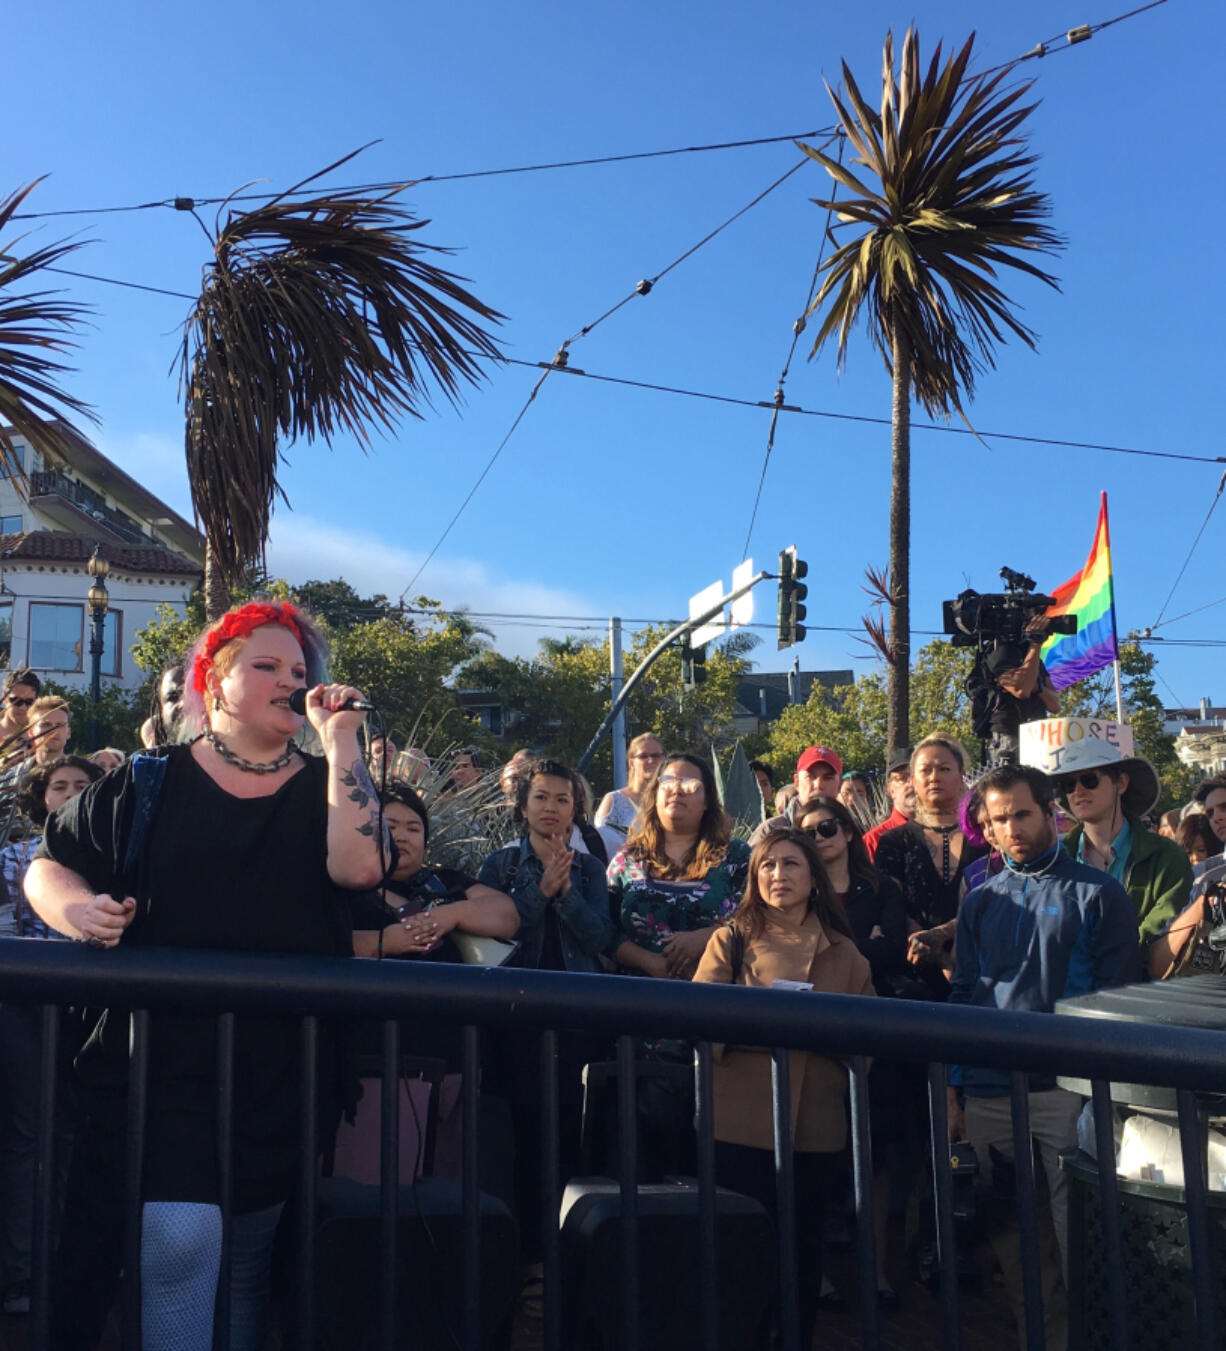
pixel 316 316
pixel 947 201
pixel 36 328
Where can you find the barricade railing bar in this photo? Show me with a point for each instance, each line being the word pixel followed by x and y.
pixel 50 976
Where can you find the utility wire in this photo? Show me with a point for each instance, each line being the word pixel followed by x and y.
pixel 1073 37
pixel 646 286
pixel 112 281
pixel 1217 497
pixel 1221 600
pixel 438 544
pixel 709 397
pixel 562 356
pixel 186 203
pixel 798 327
pixel 873 421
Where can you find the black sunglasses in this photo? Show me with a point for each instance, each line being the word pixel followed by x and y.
pixel 1089 781
pixel 18 702
pixel 827 829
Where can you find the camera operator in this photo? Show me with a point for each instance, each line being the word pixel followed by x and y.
pixel 1009 685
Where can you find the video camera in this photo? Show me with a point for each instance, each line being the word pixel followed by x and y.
pixel 1000 619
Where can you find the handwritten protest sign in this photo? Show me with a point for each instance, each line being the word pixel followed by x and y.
pixel 1044 744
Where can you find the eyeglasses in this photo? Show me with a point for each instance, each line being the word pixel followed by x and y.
pixel 648 755
pixel 18 702
pixel 686 786
pixel 1089 781
pixel 827 829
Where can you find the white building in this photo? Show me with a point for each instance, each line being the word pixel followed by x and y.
pixel 1200 735
pixel 49 526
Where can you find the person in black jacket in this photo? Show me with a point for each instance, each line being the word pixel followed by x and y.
pixel 874 906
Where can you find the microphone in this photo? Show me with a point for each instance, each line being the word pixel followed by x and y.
pixel 297 703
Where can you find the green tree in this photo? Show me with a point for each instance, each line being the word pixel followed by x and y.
pixel 120 714
pixel 405 666
pixel 339 605
pixel 555 701
pixel 316 316
pixel 947 201
pixel 854 719
pixel 1095 698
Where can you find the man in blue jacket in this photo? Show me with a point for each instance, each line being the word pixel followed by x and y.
pixel 1045 928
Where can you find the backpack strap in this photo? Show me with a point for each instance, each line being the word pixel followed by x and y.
pixel 148 776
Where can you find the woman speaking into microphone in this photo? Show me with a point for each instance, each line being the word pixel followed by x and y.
pixel 240 841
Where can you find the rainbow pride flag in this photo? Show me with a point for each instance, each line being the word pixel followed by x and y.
pixel 1090 595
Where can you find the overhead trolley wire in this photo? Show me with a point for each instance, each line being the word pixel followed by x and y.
pixel 561 358
pixel 186 203
pixel 1217 497
pixel 710 397
pixel 1070 38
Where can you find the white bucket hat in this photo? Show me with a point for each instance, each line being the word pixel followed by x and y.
pixel 1092 753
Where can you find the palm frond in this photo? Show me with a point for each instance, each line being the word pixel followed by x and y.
pixel 953 204
pixel 316 318
pixel 36 329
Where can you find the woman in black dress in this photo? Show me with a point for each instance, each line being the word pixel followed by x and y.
pixel 235 841
pixel 929 855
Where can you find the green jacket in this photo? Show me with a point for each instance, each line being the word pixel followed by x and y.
pixel 1158 878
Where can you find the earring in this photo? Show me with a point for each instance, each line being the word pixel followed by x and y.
pixel 217 703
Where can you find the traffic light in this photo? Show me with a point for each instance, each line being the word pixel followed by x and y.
pixel 693 665
pixel 792 593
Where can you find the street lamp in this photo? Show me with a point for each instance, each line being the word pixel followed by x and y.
pixel 99 601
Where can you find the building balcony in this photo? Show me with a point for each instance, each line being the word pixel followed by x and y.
pixel 71 504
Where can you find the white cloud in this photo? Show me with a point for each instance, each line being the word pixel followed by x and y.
pixel 302 549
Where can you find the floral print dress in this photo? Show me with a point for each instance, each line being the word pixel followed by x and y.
pixel 648 911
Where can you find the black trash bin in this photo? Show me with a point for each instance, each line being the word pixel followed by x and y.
pixel 1157 1263
pixel 1158 1279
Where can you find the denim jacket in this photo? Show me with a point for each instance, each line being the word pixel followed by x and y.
pixel 582 910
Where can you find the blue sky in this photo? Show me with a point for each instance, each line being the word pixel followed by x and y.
pixel 615 500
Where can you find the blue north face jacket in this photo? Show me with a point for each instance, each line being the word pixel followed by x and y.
pixel 1028 938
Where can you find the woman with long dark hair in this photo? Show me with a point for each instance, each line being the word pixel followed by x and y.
pixel 680 874
pixel 871 901
pixel 238 841
pixel 788 926
pixel 929 856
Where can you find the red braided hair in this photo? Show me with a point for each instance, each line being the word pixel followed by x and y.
pixel 242 623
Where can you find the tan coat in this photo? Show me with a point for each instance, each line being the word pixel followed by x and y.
pixel 832 964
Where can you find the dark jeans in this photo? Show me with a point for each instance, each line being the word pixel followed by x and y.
pixel 20 1050
pixel 751 1172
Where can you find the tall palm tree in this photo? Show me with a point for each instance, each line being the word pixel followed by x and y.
pixel 316 316
pixel 952 202
pixel 36 328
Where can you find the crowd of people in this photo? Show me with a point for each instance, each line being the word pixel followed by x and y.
pixel 1012 891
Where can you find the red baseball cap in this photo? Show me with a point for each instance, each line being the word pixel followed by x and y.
pixel 819 755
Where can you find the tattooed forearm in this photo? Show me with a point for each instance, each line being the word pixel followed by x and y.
pixel 363 795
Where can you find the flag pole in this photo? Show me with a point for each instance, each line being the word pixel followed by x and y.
pixel 1119 690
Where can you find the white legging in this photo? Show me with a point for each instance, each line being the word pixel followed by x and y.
pixel 180 1260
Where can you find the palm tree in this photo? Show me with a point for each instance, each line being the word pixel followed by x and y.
pixel 316 316
pixel 953 202
pixel 35 329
